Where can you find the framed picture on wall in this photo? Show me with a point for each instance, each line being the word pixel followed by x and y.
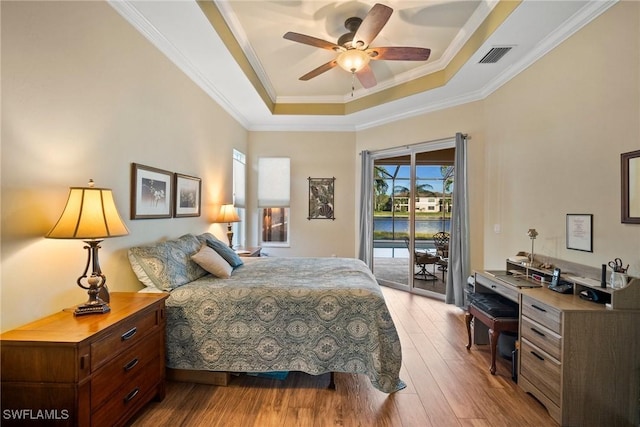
pixel 321 198
pixel 151 192
pixel 580 232
pixel 187 195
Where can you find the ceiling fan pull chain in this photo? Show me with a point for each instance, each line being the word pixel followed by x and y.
pixel 353 82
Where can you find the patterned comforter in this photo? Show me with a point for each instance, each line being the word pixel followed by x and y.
pixel 314 315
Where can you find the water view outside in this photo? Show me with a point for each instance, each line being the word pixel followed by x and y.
pixel 389 228
pixel 430 200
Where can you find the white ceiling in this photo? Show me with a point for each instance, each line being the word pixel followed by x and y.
pixel 181 31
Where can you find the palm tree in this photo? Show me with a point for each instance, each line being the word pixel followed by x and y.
pixel 380 187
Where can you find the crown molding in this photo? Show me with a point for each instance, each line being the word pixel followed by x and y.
pixel 132 15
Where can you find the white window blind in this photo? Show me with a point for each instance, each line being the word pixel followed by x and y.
pixel 274 182
pixel 239 185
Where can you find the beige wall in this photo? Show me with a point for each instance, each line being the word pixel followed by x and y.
pixel 83 96
pixel 315 155
pixel 554 138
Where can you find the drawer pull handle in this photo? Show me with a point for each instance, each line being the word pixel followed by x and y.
pixel 129 366
pixel 129 334
pixel 493 286
pixel 537 332
pixel 538 308
pixel 537 355
pixel 131 395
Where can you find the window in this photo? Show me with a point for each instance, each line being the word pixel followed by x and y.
pixel 239 190
pixel 273 200
pixel 275 226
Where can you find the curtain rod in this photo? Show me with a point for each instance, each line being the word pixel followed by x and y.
pixel 409 146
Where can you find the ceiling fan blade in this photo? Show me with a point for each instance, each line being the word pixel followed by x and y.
pixel 366 77
pixel 371 25
pixel 402 53
pixel 321 69
pixel 312 41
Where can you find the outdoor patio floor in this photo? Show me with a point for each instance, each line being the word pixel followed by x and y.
pixel 396 270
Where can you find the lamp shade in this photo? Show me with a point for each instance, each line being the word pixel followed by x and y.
pixel 90 213
pixel 227 214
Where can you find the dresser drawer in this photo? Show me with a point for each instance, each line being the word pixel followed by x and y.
pixel 541 337
pixel 117 373
pixel 541 370
pixel 123 337
pixel 128 398
pixel 542 313
pixel 504 290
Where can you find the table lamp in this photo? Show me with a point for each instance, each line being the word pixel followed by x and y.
pixel 532 233
pixel 90 215
pixel 228 214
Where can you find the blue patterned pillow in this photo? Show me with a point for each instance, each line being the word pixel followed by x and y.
pixel 167 265
pixel 223 250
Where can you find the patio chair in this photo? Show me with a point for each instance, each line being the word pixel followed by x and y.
pixel 441 240
pixel 422 259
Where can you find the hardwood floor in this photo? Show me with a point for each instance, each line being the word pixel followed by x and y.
pixel 446 386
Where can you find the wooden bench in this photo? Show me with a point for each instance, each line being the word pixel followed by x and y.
pixel 497 313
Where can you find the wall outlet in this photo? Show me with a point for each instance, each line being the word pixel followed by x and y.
pixel 496 228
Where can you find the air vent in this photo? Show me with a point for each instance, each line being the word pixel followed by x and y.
pixel 495 54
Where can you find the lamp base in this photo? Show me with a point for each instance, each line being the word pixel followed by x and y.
pixel 230 235
pixel 95 308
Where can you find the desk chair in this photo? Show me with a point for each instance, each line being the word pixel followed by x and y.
pixel 497 313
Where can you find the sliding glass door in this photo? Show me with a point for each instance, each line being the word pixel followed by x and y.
pixel 412 197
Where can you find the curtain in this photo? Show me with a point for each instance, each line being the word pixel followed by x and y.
pixel 459 263
pixel 365 250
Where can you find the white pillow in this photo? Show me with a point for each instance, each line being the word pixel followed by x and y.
pixel 211 261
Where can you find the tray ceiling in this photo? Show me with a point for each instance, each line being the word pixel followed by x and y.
pixel 234 50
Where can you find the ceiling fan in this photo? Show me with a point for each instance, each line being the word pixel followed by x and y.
pixel 354 47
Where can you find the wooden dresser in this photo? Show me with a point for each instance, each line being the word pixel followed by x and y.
pixel 92 370
pixel 580 359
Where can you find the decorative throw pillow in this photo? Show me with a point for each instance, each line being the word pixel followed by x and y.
pixel 211 261
pixel 221 248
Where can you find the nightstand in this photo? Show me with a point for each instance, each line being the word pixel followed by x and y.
pixel 249 251
pixel 90 370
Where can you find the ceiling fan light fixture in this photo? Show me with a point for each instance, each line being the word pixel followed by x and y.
pixel 353 60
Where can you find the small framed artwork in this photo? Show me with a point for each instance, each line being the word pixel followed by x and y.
pixel 187 196
pixel 151 192
pixel 321 198
pixel 580 232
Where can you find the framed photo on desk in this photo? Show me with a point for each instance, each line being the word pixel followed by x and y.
pixel 580 232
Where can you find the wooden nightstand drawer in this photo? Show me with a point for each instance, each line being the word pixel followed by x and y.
pixel 541 337
pixel 127 399
pixel 541 370
pixel 117 373
pixel 123 337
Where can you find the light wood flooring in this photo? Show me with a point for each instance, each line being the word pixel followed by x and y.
pixel 446 386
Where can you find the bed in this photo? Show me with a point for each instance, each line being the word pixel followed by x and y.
pixel 315 315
